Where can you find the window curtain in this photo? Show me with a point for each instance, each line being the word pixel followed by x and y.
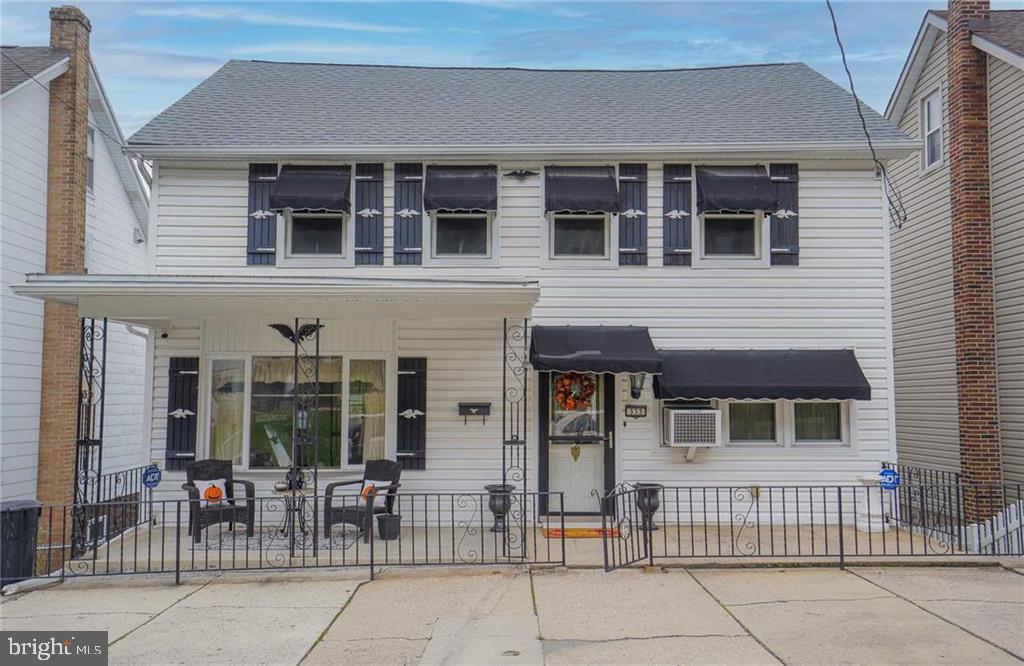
pixel 366 411
pixel 817 421
pixel 227 407
pixel 752 421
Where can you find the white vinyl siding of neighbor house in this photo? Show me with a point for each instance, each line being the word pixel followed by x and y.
pixel 110 249
pixel 1006 146
pixel 922 293
pixel 24 118
pixel 836 298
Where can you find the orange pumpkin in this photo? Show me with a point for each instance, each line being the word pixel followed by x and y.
pixel 213 494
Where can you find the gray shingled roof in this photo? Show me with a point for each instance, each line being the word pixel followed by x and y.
pixel 28 61
pixel 256 103
pixel 1006 28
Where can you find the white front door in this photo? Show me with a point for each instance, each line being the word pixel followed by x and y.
pixel 577 440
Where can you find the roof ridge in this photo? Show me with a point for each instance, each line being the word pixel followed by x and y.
pixel 521 69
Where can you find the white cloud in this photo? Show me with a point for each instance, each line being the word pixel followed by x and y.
pixel 132 62
pixel 265 18
pixel 411 54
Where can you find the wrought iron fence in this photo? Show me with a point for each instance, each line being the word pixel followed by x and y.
pixel 287 532
pixel 645 523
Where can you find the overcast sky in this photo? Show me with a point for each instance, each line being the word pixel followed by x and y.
pixel 151 53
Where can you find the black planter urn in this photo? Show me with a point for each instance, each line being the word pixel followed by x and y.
pixel 499 502
pixel 648 499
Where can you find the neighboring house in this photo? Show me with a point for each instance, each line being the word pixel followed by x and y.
pixel 421 213
pixel 958 299
pixel 71 202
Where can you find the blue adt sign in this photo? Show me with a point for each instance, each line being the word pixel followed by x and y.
pixel 151 477
pixel 889 479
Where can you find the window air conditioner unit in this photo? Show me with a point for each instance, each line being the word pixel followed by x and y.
pixel 691 428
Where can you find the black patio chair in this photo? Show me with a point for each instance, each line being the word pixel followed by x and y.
pixel 226 511
pixel 350 513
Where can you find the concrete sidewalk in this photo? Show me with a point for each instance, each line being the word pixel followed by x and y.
pixel 555 616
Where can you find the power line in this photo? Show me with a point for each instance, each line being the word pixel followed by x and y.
pixel 892 194
pixel 71 107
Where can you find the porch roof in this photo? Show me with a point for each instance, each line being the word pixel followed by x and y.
pixel 150 299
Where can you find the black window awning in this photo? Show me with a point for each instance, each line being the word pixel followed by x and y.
pixel 580 189
pixel 795 374
pixel 593 349
pixel 461 188
pixel 312 189
pixel 735 189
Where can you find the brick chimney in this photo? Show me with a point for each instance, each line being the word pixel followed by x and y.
pixel 971 222
pixel 65 253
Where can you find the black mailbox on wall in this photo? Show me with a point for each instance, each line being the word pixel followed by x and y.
pixel 481 409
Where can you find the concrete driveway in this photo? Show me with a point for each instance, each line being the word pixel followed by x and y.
pixel 555 616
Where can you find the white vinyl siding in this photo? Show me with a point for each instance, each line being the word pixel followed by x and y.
pixel 1006 145
pixel 110 239
pixel 922 296
pixel 24 122
pixel 835 299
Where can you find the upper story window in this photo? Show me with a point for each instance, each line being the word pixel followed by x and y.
pixel 931 129
pixel 90 158
pixel 461 234
pixel 315 234
pixel 583 235
pixel 731 235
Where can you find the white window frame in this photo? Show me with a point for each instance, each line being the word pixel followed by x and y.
pixel 285 256
pixel 548 259
pixel 785 426
pixel 844 425
pixel 606 217
pixel 458 260
pixel 90 160
pixel 762 236
pixel 926 131
pixel 390 387
pixel 779 440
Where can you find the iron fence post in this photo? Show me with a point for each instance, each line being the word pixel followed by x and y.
pixel 177 543
pixel 372 574
pixel 603 503
pixel 561 519
pixel 842 545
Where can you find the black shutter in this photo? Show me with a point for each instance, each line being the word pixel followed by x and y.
pixel 369 214
pixel 412 413
pixel 677 195
pixel 785 224
pixel 261 242
pixel 632 214
pixel 408 214
pixel 182 405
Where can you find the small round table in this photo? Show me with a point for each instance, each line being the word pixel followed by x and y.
pixel 294 514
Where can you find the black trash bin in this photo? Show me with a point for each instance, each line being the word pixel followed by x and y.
pixel 19 524
pixel 388 525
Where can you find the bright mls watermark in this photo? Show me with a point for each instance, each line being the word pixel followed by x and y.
pixel 81 648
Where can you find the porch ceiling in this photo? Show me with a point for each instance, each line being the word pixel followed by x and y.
pixel 150 299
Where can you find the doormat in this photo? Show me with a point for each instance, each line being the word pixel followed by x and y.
pixel 580 532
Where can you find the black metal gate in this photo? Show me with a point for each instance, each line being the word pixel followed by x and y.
pixel 92 373
pixel 624 536
pixel 515 403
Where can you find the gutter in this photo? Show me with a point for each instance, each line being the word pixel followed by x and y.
pixel 891 148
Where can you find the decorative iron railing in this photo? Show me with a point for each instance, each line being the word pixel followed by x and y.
pixel 287 532
pixel 648 523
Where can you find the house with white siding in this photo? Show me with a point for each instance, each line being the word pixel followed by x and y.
pixel 563 280
pixel 958 320
pixel 69 197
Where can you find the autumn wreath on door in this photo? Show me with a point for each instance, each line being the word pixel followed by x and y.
pixel 574 391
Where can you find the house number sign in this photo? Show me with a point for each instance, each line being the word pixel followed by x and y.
pixel 636 411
